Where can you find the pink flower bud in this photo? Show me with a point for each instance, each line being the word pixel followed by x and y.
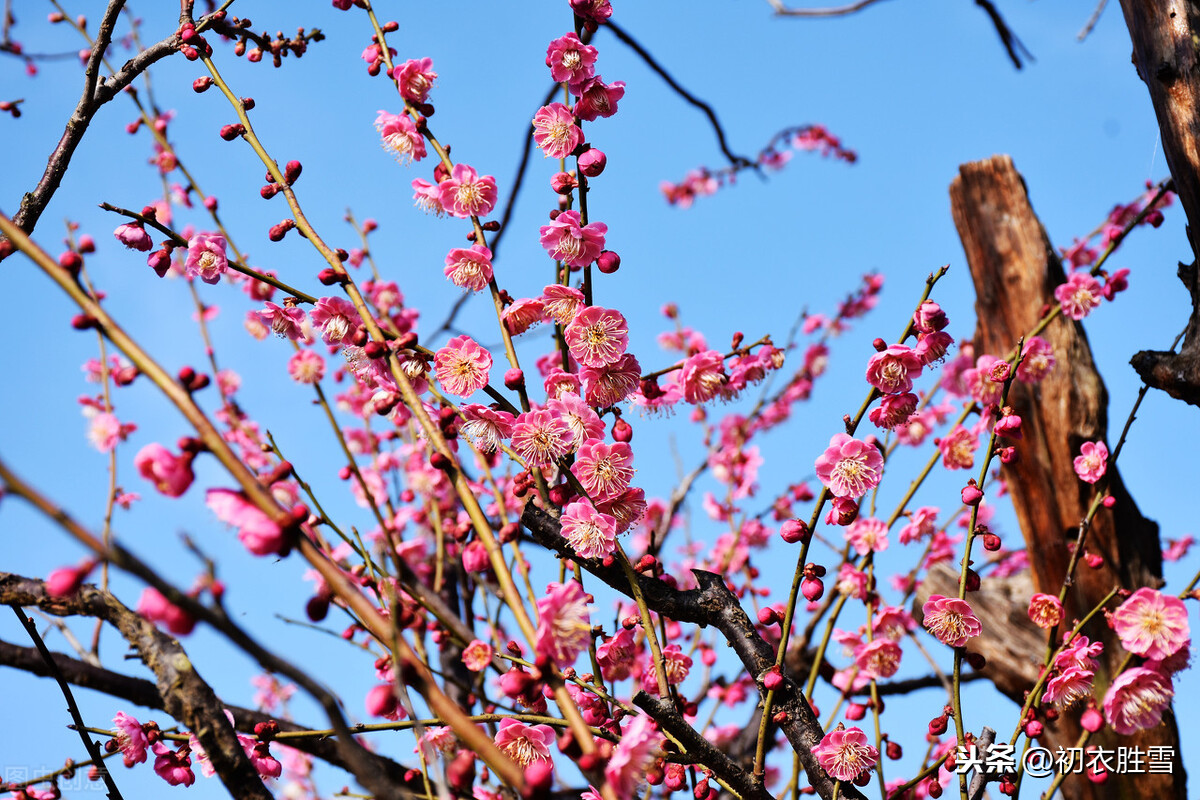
pixel 855 711
pixel 608 262
pixel 812 589
pixel 514 379
pixel 794 530
pixel 772 679
pixel 1033 729
pixel 381 701
pixel 971 495
pixel 1092 720
pixel 592 163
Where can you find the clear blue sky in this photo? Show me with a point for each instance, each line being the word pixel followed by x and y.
pixel 915 88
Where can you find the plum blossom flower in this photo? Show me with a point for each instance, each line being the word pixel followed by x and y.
pixel 597 11
pixel 1092 462
pixel 400 137
pixel 638 747
pixel 486 427
pixel 676 664
pixel 477 655
pixel 462 366
pixel 703 376
pixel 415 78
pixel 170 474
pixel 561 303
pixel 604 470
pixel 427 197
pixel 598 99
pixel 563 623
pixel 879 658
pixel 173 766
pixel 849 467
pixel 470 268
pixel 541 437
pixel 591 533
pixel 466 194
pixel 156 608
pixel 1079 295
pixel 617 656
pixel 571 61
pixel 306 366
pixel 844 754
pixel 867 535
pixel 894 410
pixel 133 235
pixel 105 431
pixel 1068 686
pixel 922 524
pixel 206 258
pixel 555 131
pixel 1136 700
pixel 585 423
pixel 567 239
pixel 1045 610
pixel 609 385
pixel 335 318
pixel 892 370
pixel 523 315
pixel 958 448
pixel 523 743
pixel 286 322
pixel 950 620
pixel 1036 361
pixel 260 534
pixel 1151 624
pixel 597 336
pixel 131 739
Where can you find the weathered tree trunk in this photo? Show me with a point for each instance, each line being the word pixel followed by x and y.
pixel 1015 270
pixel 1165 51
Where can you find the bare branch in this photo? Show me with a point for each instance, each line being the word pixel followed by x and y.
pixel 837 11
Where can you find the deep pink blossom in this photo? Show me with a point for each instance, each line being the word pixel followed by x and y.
pixel 609 385
pixel 415 78
pixel 566 239
pixel 170 474
pixel 675 663
pixel 1079 295
pixel 286 322
pixel 626 508
pixel 597 336
pixel 617 656
pixel 585 423
pixel 563 623
pixel 555 131
pixel 462 366
pixel 597 11
pixel 892 370
pixel 156 608
pixel 477 655
pixel 958 448
pixel 844 754
pixel 173 766
pixel 523 315
pixel 570 60
pixel 1067 686
pixel 703 376
pixel 306 366
pixel 1137 699
pixel 894 410
pixel 523 743
pixel 921 525
pixel 470 268
pixel 400 137
pixel 427 196
pixel 597 98
pixel 930 317
pixel 466 194
pixel 637 748
pixel 335 318
pixel 260 534
pixel 541 437
pixel 206 258
pixel 561 303
pixel 131 739
pixel 950 620
pixel 879 658
pixel 1092 462
pixel 1037 361
pixel 1151 624
pixel 65 581
pixel 591 533
pixel 849 467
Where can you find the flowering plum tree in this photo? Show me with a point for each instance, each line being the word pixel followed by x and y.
pixel 521 606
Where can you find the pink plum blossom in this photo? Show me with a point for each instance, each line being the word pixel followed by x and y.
pixel 597 98
pixel 1092 462
pixel 470 268
pixel 1137 699
pixel 844 754
pixel 466 194
pixel 849 467
pixel 563 627
pixel 604 470
pixel 879 658
pixel 571 61
pixel 173 766
pixel 131 739
pixel 133 235
pixel 1079 295
pixel 541 437
pixel 892 370
pixel 567 239
pixel 1045 610
pixel 591 533
pixel 1037 360
pixel 486 427
pixel 638 747
pixel 703 376
pixel 415 78
pixel 867 535
pixel 950 620
pixel 523 743
pixel 306 366
pixel 462 366
pixel 206 258
pixel 609 385
pixel 287 322
pixel 170 474
pixel 477 655
pixel 561 303
pixel 597 336
pixel 555 131
pixel 400 136
pixel 1151 624
pixel 156 608
pixel 260 534
pixel 335 318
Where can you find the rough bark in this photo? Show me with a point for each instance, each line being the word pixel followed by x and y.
pixel 1164 35
pixel 1015 270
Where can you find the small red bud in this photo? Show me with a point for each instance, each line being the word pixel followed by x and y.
pixel 375 349
pixel 291 172
pixel 268 191
pixel 991 542
pixel 592 163
pixel 202 84
pixel 514 379
pixel 608 262
pixel 622 431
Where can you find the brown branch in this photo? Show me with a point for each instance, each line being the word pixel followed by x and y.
pixel 835 11
pixel 711 604
pixel 146 694
pixel 188 698
pixel 1007 38
pixel 89 744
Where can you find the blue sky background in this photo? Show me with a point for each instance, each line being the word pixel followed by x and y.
pixel 915 88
